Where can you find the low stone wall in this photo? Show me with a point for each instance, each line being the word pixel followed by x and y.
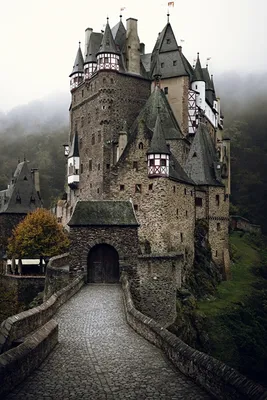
pixel 217 378
pixel 16 364
pixel 57 275
pixel 22 324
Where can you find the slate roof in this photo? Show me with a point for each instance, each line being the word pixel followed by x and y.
pixel 108 44
pixel 173 62
pixel 202 162
pixel 103 213
pixel 210 92
pixel 177 173
pixel 74 149
pixel 157 103
pixel 119 35
pixel 158 143
pixel 93 47
pixel 17 197
pixel 198 73
pixel 78 63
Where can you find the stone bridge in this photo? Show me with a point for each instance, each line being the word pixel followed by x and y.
pixel 99 356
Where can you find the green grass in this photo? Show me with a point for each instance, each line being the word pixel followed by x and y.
pixel 232 293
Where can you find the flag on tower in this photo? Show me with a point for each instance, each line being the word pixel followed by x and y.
pixel 123 8
pixel 171 4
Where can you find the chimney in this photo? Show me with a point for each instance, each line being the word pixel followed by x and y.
pixel 132 47
pixel 88 32
pixel 142 48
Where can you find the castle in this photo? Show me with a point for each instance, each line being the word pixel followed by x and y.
pixel 147 158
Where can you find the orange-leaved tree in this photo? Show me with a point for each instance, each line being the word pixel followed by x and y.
pixel 38 235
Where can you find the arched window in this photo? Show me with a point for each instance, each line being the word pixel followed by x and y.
pixel 141 146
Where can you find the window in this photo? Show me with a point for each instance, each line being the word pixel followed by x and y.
pixel 177 212
pixel 182 237
pixel 82 93
pixel 135 207
pixel 99 137
pixel 173 188
pixel 135 165
pixel 198 202
pixel 168 41
pixel 138 188
pixel 18 199
pixel 186 214
pixel 161 65
pixel 82 122
pixel 185 191
pixel 32 200
pixel 141 146
pixel 90 165
pixel 91 186
pixel 151 162
pixel 196 86
pixel 121 188
pixel 97 190
pixel 108 166
pixel 93 138
pixel 111 80
pixel 163 162
pixel 216 253
pixel 166 90
pixel 104 80
pixel 191 192
pixel 195 154
pixel 150 187
pixel 98 167
pixel 81 168
pixel 25 178
pixel 218 226
pixel 174 63
pixel 217 200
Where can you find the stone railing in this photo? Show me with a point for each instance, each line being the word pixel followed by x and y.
pixel 57 274
pixel 20 325
pixel 34 333
pixel 217 378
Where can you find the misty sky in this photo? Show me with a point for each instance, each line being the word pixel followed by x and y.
pixel 39 38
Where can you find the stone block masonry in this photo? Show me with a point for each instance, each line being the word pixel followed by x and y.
pixel 16 364
pixel 218 379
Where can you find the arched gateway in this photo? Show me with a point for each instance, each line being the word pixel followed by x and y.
pixel 103 264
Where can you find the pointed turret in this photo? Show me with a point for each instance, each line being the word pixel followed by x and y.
pixel 199 85
pixel 158 154
pixel 202 165
pixel 108 55
pixel 90 63
pixel 74 163
pixel 76 77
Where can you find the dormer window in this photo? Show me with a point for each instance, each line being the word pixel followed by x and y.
pixel 168 41
pixel 18 199
pixel 32 200
pixel 174 63
pixel 162 65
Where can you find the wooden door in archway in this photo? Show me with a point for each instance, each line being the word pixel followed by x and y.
pixel 103 264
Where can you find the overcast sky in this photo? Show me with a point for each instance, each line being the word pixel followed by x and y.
pixel 39 38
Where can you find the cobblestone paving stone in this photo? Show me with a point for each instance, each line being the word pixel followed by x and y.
pixel 100 357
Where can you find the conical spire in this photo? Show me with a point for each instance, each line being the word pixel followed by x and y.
pixel 93 47
pixel 158 143
pixel 198 73
pixel 108 44
pixel 78 64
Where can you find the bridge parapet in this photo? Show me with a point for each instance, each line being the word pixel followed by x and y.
pixel 216 377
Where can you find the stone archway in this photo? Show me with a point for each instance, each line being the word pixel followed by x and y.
pixel 103 264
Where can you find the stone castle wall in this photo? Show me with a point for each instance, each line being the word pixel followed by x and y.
pixel 218 218
pixel 123 239
pixel 99 109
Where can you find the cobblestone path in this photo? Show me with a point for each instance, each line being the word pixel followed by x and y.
pixel 100 357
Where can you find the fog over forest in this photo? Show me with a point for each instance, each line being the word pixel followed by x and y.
pixel 40 128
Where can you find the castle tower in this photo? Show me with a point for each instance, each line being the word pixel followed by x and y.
pixel 77 74
pixel 90 63
pixel 158 155
pixel 108 56
pixel 198 85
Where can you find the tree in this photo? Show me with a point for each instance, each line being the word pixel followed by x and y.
pixel 38 235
